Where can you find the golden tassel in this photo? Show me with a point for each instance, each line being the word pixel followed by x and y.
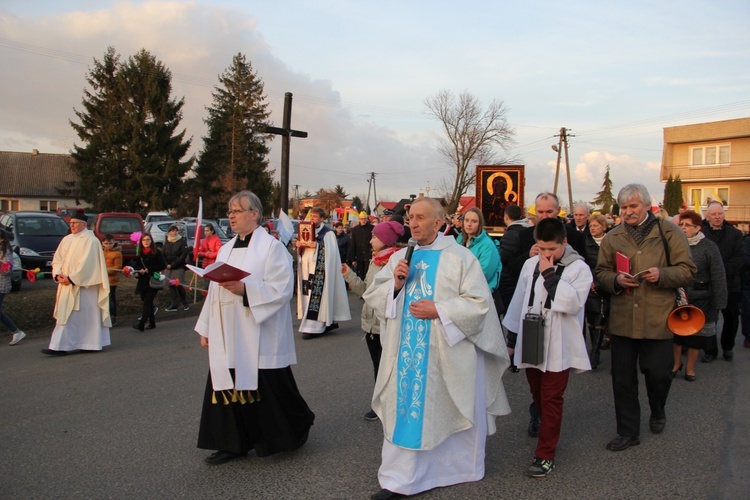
pixel 234 395
pixel 242 398
pixel 226 401
pixel 213 398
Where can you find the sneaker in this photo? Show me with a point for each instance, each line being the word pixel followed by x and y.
pixel 186 307
pixel 17 337
pixel 540 467
pixel 171 308
pixel 371 416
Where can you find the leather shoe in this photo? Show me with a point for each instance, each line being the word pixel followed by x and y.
pixel 729 355
pixel 708 358
pixel 52 352
pixel 386 495
pixel 690 378
pixel 331 327
pixel 221 457
pixel 138 326
pixel 657 424
pixel 623 442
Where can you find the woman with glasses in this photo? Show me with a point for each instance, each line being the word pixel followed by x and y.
pixel 708 293
pixel 151 262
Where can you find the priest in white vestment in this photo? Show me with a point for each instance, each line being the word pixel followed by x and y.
pixel 251 400
pixel 321 291
pixel 82 303
pixel 439 384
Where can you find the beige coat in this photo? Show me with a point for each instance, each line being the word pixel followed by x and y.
pixel 642 313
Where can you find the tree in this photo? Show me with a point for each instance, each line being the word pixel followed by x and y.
pixel 131 157
pixel 235 150
pixel 605 200
pixel 339 190
pixel 673 195
pixel 328 199
pixel 357 203
pixel 472 134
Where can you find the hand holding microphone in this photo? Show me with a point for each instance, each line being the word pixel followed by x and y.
pixel 402 270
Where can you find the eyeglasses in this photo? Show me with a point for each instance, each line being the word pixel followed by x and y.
pixel 687 224
pixel 235 212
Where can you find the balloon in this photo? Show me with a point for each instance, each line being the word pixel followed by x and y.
pixel 204 292
pixel 31 276
pixel 5 267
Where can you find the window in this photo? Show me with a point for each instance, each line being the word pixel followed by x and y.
pixel 48 205
pixel 8 205
pixel 710 155
pixel 702 196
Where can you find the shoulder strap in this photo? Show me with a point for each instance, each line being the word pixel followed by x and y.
pixel 548 303
pixel 664 242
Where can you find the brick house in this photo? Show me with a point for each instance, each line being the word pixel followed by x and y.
pixel 713 162
pixel 35 181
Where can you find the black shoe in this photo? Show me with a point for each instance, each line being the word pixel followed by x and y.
pixel 308 336
pixel 674 373
pixel 150 327
pixel 513 369
pixel 171 308
pixel 708 358
pixel 371 416
pixel 690 378
pixel 623 443
pixel 138 326
pixel 221 457
pixel 52 352
pixel 386 495
pixel 331 327
pixel 729 355
pixel 657 424
pixel 534 424
pixel 186 307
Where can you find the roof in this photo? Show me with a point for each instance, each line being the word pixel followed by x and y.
pixel 465 203
pixel 35 174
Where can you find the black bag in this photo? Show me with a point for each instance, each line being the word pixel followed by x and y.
pixel 156 284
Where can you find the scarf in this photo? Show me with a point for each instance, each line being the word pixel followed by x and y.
pixel 381 258
pixel 640 232
pixel 598 240
pixel 172 239
pixel 146 250
pixel 696 239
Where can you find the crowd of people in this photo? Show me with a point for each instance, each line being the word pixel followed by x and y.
pixel 447 311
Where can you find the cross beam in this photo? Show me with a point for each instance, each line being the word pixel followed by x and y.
pixel 286 133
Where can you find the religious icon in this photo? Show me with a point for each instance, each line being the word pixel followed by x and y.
pixel 498 186
pixel 307 233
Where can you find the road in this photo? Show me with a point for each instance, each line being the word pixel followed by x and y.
pixel 123 424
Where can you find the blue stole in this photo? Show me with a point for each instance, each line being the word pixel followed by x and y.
pixel 414 350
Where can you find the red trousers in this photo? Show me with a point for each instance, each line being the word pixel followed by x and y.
pixel 547 389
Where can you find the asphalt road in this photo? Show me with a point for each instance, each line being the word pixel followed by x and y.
pixel 123 424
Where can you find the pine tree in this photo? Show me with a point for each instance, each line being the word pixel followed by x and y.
pixel 234 151
pixel 132 155
pixel 605 200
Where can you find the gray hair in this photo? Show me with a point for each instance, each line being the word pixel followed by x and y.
pixel 582 205
pixel 249 201
pixel 545 195
pixel 437 208
pixel 631 191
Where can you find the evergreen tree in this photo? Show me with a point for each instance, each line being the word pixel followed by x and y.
pixel 234 151
pixel 605 200
pixel 132 154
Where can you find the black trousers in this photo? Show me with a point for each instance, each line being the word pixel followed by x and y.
pixel 376 350
pixel 655 358
pixel 731 316
pixel 147 313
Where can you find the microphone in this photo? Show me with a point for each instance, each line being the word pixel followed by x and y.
pixel 409 251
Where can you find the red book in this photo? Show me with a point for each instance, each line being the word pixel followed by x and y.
pixel 623 266
pixel 219 272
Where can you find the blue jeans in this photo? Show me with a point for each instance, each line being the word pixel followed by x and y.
pixel 4 317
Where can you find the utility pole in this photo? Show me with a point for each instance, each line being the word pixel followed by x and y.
pixel 371 186
pixel 558 148
pixel 286 133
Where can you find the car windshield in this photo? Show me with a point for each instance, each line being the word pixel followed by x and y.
pixel 219 232
pixel 41 226
pixel 119 225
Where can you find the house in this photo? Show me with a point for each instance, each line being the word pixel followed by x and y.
pixel 713 162
pixel 36 181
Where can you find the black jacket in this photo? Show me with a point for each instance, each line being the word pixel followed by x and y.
pixel 154 263
pixel 729 241
pixel 175 253
pixel 359 248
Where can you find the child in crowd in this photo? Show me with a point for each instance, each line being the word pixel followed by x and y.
pixel 6 269
pixel 113 258
pixel 383 242
pixel 554 284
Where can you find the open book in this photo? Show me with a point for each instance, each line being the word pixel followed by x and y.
pixel 219 272
pixel 623 266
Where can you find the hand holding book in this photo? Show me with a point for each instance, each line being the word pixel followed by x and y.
pixel 219 272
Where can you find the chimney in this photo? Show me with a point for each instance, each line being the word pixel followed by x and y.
pixel 34 152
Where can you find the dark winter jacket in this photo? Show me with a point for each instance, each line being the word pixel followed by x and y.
pixel 729 241
pixel 360 250
pixel 154 263
pixel 175 253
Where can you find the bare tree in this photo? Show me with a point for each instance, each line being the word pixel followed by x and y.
pixel 473 133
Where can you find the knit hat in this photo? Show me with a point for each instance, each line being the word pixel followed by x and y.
pixel 388 232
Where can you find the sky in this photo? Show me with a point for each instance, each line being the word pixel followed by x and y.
pixel 613 73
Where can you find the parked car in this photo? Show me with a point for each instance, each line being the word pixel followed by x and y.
pixel 37 236
pixel 190 230
pixel 224 224
pixel 121 225
pixel 157 216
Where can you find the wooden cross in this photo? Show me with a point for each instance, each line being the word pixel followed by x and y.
pixel 286 133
